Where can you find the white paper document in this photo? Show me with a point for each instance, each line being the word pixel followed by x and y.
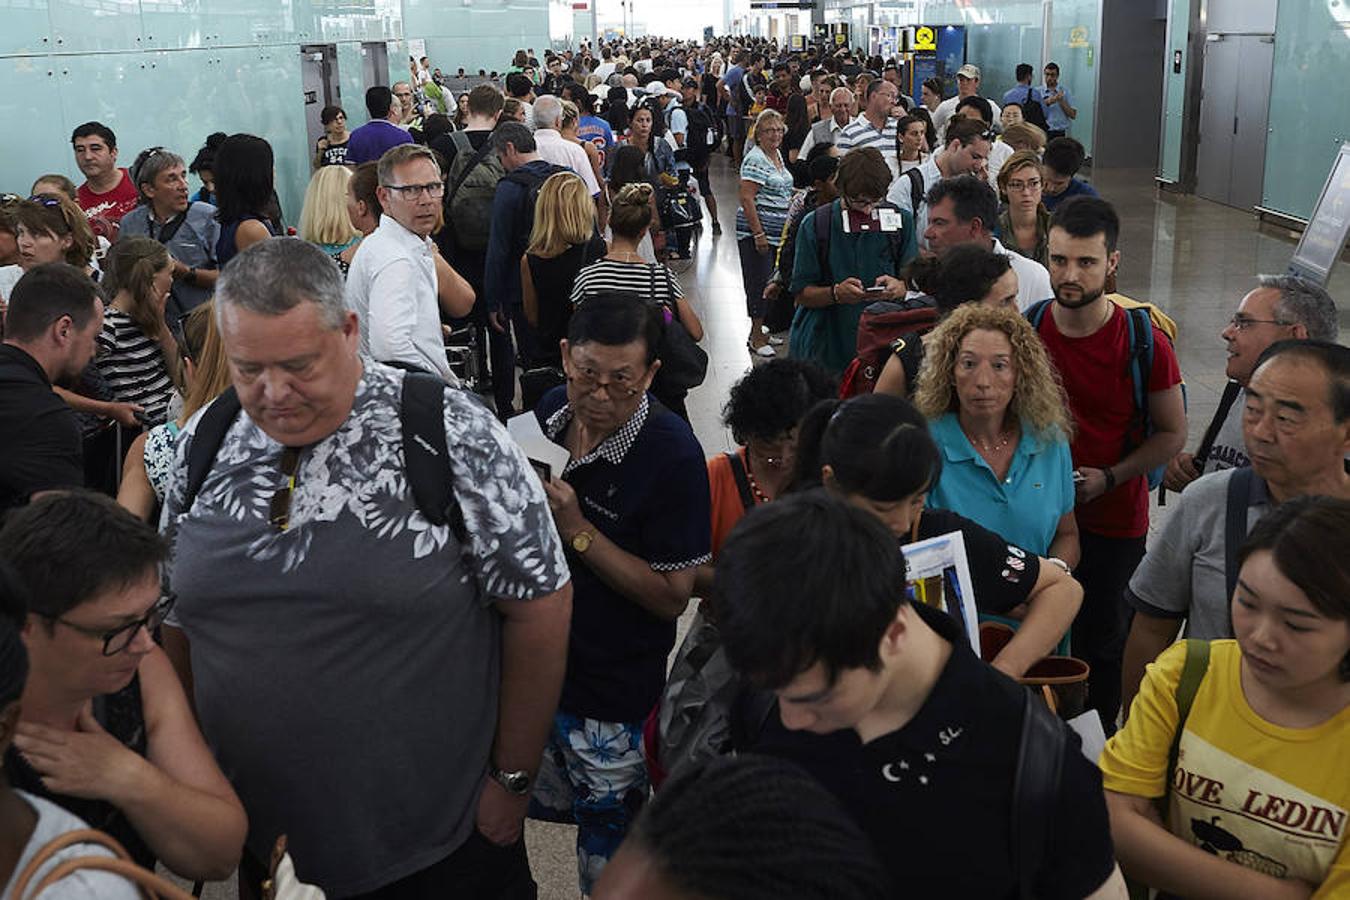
pixel 547 458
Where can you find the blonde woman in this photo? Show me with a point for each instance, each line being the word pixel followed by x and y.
pixel 564 240
pixel 765 193
pixel 1025 222
pixel 1024 136
pixel 137 356
pixel 324 221
pixel 999 415
pixel 145 474
pixel 571 131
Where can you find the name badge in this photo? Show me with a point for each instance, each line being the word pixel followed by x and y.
pixel 890 220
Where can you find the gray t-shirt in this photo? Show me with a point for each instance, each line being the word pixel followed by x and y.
pixel 1183 573
pixel 89 884
pixel 1229 452
pixel 347 669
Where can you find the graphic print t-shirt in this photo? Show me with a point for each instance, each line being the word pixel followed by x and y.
pixel 1270 798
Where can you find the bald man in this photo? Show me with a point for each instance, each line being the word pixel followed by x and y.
pixel 825 131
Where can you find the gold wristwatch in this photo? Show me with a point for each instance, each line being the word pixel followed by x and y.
pixel 581 541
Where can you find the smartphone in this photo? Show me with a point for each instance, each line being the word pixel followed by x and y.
pixel 876 289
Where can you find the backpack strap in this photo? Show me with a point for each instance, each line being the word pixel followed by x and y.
pixel 1230 395
pixel 1139 333
pixel 742 480
pixel 822 230
pixel 426 460
pixel 1036 312
pixel 1036 783
pixel 1241 486
pixel 1192 674
pixel 915 190
pixel 206 440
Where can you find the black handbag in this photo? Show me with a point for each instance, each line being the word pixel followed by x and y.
pixel 684 364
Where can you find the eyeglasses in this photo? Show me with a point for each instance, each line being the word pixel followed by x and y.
pixel 432 189
pixel 619 387
pixel 1242 322
pixel 861 204
pixel 118 639
pixel 1033 184
pixel 279 510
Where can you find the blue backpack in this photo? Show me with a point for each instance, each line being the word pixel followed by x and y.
pixel 1139 364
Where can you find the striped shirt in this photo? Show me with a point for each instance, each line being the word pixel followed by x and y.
pixel 772 199
pixel 651 281
pixel 862 133
pixel 134 366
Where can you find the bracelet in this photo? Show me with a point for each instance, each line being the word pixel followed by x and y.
pixel 1055 560
pixel 1110 478
pixel 834 298
pixel 757 235
pixel 191 276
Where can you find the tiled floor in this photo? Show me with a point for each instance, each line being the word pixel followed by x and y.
pixel 1193 258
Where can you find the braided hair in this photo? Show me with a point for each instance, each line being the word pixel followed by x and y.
pixel 755 828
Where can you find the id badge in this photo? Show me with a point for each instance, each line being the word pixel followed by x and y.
pixel 891 220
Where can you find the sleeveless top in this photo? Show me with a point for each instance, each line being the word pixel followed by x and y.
pixel 225 245
pixel 553 281
pixel 122 716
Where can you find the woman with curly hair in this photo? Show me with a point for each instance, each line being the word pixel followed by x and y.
pixel 998 413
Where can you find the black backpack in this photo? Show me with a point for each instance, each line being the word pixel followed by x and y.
pixel 425 457
pixel 702 134
pixel 1033 112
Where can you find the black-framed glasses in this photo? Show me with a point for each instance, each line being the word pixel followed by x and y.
pixel 279 510
pixel 433 189
pixel 117 639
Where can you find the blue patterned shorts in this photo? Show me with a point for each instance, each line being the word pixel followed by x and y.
pixel 593 775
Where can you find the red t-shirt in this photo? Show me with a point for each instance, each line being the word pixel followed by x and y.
pixel 1101 398
pixel 109 207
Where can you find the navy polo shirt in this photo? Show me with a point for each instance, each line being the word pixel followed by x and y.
pixel 645 487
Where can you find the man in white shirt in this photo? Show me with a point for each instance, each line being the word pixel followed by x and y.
pixel 876 126
pixel 392 285
pixel 555 148
pixel 826 131
pixel 967 85
pixel 963 210
pixel 606 67
pixel 967 151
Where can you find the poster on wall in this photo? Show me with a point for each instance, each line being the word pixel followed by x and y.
pixel 1324 238
pixel 839 32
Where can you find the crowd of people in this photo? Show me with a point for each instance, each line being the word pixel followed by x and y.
pixel 275 561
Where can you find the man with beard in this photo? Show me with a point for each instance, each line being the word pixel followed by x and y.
pixel 1088 337
pixel 54 316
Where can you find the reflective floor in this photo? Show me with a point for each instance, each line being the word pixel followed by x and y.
pixel 1193 258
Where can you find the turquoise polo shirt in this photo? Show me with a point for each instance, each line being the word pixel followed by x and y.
pixel 1026 506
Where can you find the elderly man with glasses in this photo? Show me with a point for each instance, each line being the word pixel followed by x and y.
pixel 372 599
pixel 632 507
pixel 398 282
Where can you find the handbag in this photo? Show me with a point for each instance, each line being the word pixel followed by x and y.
pixel 281 885
pixel 1060 680
pixel 684 364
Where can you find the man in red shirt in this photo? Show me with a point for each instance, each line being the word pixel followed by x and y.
pixel 1088 337
pixel 108 192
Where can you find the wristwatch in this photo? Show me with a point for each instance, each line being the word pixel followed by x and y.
pixel 581 541
pixel 517 782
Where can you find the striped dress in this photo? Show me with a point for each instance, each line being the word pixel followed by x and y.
pixel 133 366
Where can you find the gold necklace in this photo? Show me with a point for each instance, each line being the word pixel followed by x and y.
pixel 980 445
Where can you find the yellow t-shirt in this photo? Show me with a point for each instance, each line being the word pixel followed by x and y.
pixel 1270 798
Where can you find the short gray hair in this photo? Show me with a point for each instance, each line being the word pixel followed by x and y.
pixel 1304 303
pixel 400 154
pixel 547 112
pixel 274 276
pixel 515 134
pixel 152 165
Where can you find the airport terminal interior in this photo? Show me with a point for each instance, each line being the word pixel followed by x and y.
pixel 1217 130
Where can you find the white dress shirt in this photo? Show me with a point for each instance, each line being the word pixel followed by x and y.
pixel 392 289
pixel 555 148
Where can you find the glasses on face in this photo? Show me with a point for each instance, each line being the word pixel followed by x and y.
pixel 1242 322
pixel 433 189
pixel 775 456
pixel 1031 184
pixel 620 386
pixel 861 204
pixel 118 639
pixel 279 510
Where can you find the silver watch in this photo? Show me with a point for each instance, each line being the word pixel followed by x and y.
pixel 517 782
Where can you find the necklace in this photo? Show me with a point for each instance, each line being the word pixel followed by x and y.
pixel 760 496
pixel 631 255
pixel 983 447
